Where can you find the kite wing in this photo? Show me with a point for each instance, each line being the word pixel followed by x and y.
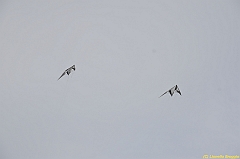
pixel 73 67
pixel 163 94
pixel 62 75
pixel 178 90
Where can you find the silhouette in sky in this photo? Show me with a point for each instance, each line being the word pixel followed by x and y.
pixel 172 90
pixel 68 71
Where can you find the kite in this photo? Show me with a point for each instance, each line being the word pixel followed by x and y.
pixel 172 90
pixel 68 71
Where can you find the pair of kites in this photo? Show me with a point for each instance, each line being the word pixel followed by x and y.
pixel 170 91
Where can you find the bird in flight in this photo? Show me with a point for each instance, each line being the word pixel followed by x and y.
pixel 172 90
pixel 68 71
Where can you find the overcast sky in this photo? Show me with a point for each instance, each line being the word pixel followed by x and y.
pixel 127 53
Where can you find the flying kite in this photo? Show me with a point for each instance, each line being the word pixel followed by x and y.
pixel 68 71
pixel 172 90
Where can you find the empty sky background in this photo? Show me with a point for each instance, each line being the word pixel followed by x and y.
pixel 126 53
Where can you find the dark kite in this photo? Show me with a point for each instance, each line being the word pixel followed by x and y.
pixel 172 90
pixel 68 71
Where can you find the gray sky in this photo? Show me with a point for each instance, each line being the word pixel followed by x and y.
pixel 126 53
